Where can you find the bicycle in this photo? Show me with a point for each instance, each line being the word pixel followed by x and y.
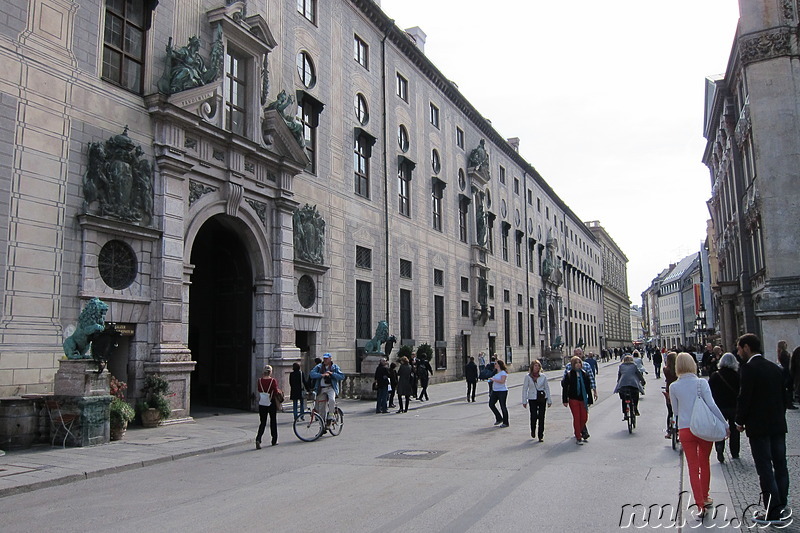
pixel 309 426
pixel 630 412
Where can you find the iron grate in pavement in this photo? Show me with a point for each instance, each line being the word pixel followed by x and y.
pixel 413 454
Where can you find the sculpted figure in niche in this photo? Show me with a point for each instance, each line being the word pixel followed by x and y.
pixel 480 216
pixel 281 103
pixel 309 235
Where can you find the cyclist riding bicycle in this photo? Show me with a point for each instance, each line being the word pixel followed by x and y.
pixel 326 376
pixel 629 382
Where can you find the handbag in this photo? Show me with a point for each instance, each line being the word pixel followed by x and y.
pixel 704 424
pixel 263 397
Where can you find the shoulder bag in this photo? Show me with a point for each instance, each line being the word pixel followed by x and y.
pixel 703 423
pixel 263 396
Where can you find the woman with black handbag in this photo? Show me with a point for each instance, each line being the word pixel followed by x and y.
pixel 536 394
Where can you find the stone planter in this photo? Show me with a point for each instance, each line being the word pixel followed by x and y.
pixel 117 432
pixel 151 418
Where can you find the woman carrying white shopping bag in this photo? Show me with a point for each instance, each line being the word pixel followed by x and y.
pixel 700 424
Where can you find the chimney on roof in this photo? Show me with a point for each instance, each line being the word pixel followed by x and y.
pixel 514 142
pixel 418 36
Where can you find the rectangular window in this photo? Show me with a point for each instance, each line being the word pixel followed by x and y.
pixel 123 44
pixel 464 284
pixel 460 138
pixel 462 220
pixel 306 115
pixel 437 191
pixel 308 8
pixel 531 331
pixel 491 312
pixel 490 235
pixel 518 251
pixel 519 299
pixel 530 197
pixel 402 87
pixel 361 52
pixel 539 205
pixel 465 308
pixel 438 332
pixel 363 257
pixel 405 269
pixel 507 331
pixel 504 243
pixel 363 310
pixel 438 277
pixel 520 329
pixel 235 92
pixel 491 292
pixel 506 296
pixel 406 324
pixel 502 175
pixel 361 156
pixel 434 115
pixel 404 189
pixel 516 185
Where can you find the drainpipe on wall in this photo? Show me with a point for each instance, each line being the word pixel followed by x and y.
pixel 385 171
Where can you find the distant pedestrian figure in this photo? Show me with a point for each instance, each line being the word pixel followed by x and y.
pixel 269 385
pixel 724 385
pixel 297 389
pixel 536 397
pixel 499 394
pixel 383 382
pixel 686 390
pixel 785 361
pixel 471 375
pixel 393 383
pixel 424 371
pixel 658 360
pixel 404 384
pixel 576 387
pixel 761 411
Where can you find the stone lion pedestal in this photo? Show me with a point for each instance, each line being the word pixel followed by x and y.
pixel 80 390
pixel 368 366
pixel 553 359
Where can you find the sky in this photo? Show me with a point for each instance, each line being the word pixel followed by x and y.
pixel 607 98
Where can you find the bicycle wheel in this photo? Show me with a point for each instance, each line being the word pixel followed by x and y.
pixel 336 424
pixel 633 419
pixel 629 417
pixel 309 427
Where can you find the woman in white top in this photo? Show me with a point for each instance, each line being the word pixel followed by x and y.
pixel 683 392
pixel 499 393
pixel 536 394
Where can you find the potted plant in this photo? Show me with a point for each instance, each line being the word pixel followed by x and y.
pixel 154 405
pixel 404 351
pixel 424 351
pixel 120 411
pixel 121 414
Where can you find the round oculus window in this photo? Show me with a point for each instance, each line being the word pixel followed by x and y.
pixel 462 180
pixel 117 265
pixel 436 162
pixel 306 291
pixel 402 138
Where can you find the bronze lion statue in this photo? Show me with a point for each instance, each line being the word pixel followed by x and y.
pixel 90 322
pixel 381 334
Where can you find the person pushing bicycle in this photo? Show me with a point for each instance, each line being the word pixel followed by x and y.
pixel 326 376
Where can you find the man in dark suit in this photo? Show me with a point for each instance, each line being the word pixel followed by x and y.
pixel 761 411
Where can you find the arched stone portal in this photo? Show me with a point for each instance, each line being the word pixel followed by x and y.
pixel 220 316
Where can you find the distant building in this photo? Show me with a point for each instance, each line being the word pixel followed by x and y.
pixel 752 128
pixel 616 303
pixel 637 331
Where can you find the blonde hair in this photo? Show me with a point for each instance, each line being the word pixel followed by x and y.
pixel 576 359
pixel 267 370
pixel 685 364
pixel 627 359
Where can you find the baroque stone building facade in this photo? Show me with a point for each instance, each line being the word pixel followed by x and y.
pixel 752 129
pixel 261 182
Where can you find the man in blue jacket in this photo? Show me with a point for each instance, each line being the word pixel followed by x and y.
pixel 327 376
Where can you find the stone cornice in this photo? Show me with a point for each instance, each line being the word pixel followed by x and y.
pixel 770 44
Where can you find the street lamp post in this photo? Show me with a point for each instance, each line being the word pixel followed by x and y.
pixel 697 326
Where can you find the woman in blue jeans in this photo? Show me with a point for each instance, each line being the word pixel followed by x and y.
pixel 499 394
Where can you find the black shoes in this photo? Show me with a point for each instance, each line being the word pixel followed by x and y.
pixel 258 445
pixel 720 457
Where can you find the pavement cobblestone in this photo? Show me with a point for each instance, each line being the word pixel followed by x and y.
pixel 215 430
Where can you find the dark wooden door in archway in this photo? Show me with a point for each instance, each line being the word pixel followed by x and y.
pixel 220 317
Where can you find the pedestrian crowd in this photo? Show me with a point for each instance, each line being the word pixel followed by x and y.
pixel 744 392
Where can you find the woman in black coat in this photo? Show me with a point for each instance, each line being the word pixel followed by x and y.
pixel 724 384
pixel 404 384
pixel 393 382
